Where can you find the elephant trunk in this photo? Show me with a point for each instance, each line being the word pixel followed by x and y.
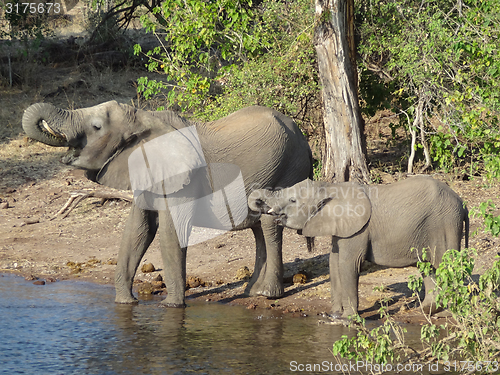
pixel 257 201
pixel 46 123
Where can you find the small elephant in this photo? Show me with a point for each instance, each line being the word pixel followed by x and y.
pixel 184 174
pixel 386 224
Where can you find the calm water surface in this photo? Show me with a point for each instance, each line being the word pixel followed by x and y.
pixel 76 328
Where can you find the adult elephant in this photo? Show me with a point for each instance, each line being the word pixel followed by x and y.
pixel 388 225
pixel 262 147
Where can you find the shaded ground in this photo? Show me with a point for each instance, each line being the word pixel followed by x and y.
pixel 35 241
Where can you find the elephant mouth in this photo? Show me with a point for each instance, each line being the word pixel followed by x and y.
pixel 71 156
pixel 280 220
pixel 73 152
pixel 44 127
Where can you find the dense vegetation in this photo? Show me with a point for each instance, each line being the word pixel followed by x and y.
pixel 225 55
pixel 435 64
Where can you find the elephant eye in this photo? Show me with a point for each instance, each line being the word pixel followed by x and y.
pixel 97 125
pixel 293 200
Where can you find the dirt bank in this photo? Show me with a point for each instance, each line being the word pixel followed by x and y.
pixel 36 241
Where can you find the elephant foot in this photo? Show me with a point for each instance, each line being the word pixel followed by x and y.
pixel 266 290
pixel 126 300
pixel 336 315
pixel 164 303
pixel 429 308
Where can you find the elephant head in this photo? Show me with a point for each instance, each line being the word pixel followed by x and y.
pixel 94 133
pixel 97 135
pixel 316 209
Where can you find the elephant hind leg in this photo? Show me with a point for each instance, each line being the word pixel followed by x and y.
pixel 450 237
pixel 429 302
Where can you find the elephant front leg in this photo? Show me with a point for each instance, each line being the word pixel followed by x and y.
pixel 174 262
pixel 267 279
pixel 260 260
pixel 349 280
pixel 139 232
pixel 336 289
pixel 352 252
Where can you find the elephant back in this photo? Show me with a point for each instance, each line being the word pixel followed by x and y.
pixel 266 145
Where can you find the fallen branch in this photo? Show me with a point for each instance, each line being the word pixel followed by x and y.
pixel 78 195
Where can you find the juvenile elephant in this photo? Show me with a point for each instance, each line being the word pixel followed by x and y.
pixel 386 224
pixel 183 174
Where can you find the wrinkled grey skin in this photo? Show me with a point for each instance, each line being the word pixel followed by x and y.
pixel 379 223
pixel 267 146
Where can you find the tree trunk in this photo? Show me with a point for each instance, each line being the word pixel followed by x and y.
pixel 345 156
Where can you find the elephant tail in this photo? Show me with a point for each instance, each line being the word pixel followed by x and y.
pixel 311 165
pixel 310 244
pixel 466 228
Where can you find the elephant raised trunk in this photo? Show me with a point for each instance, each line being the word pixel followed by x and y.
pixel 45 123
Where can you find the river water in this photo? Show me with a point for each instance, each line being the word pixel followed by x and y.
pixel 73 327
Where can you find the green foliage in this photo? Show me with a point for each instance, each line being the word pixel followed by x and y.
pixel 198 39
pixel 221 56
pixel 486 211
pixel 446 55
pixel 454 270
pixel 473 333
pixel 374 346
pixel 317 170
pixel 443 149
pixel 285 77
pixel 474 306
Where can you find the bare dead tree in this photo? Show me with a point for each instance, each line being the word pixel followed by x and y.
pixel 345 155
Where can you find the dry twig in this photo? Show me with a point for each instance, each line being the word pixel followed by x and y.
pixel 78 195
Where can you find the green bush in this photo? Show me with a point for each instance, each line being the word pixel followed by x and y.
pixel 285 77
pixel 471 336
pixel 209 74
pixel 198 40
pixel 486 211
pixel 446 55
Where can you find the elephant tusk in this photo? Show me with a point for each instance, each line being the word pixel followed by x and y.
pixel 47 127
pixel 271 211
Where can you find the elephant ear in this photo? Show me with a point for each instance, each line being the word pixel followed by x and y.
pixel 166 164
pixel 341 215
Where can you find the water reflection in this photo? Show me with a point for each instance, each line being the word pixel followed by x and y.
pixel 73 327
pixel 209 338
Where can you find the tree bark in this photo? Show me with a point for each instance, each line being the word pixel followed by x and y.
pixel 345 156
